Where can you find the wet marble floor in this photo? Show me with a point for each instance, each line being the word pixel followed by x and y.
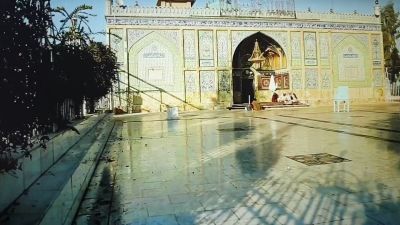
pixel 237 167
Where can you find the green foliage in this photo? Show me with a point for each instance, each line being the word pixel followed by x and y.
pixel 83 71
pixel 395 64
pixel 390 25
pixel 105 70
pixel 23 28
pixel 74 26
pixel 36 75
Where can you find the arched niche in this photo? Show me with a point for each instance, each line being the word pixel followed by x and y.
pixel 243 80
pixel 154 60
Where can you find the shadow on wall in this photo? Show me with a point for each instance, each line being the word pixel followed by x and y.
pixel 150 93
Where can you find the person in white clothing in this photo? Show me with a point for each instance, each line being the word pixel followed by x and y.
pixel 282 98
pixel 293 98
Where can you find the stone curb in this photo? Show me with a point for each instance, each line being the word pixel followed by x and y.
pixel 14 184
pixel 55 196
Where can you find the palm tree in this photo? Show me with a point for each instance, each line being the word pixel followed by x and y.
pixel 86 69
pixel 74 26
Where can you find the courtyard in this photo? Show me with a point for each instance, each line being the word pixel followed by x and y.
pixel 284 166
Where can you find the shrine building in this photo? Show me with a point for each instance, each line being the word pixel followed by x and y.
pixel 177 54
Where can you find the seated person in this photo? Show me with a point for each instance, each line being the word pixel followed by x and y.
pixel 293 98
pixel 287 100
pixel 283 98
pixel 275 97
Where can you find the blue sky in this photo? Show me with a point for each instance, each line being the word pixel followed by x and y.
pixel 98 23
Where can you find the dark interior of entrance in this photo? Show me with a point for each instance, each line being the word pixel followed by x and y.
pixel 243 85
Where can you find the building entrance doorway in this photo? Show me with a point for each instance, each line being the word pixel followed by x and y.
pixel 258 56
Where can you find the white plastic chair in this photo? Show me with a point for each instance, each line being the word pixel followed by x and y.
pixel 341 97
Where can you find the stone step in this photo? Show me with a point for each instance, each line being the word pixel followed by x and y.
pixel 238 106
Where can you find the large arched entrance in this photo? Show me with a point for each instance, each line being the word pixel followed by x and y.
pixel 257 52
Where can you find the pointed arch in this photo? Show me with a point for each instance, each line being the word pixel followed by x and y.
pixel 279 37
pixel 156 60
pixel 351 65
pixel 261 53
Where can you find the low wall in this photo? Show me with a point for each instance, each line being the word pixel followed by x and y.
pixel 12 185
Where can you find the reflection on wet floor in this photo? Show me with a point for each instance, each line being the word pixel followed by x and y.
pixel 227 167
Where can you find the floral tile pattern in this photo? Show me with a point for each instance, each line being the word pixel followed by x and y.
pixel 318 159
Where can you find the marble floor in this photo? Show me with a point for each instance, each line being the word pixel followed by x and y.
pixel 238 167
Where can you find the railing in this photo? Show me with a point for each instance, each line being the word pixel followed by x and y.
pixel 160 99
pixel 393 91
pixel 392 86
pixel 197 12
pixel 242 12
pixel 338 17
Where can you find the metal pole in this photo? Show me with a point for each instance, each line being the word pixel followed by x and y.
pixel 128 105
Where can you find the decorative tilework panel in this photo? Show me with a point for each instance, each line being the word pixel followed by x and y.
pixel 363 38
pixel 117 43
pixel 378 78
pixel 337 38
pixel 207 81
pixel 172 35
pixel 156 65
pixel 224 81
pixel 191 84
pixel 189 44
pixel 239 36
pixel 296 47
pixel 310 49
pixel 326 79
pixel 311 76
pixel 206 48
pixel 280 37
pixel 376 53
pixel 324 48
pixel 297 82
pixel 223 58
pixel 265 24
pixel 351 64
pixel 318 159
pixel 136 35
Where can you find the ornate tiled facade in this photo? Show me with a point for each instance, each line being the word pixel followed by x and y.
pixel 206 48
pixel 207 81
pixel 296 48
pixel 297 82
pixel 239 36
pixel 204 23
pixel 310 48
pixel 311 78
pixel 189 53
pixel 191 84
pixel 326 79
pixel 135 35
pixel 223 48
pixel 280 37
pixel 189 45
pixel 378 79
pixel 324 47
pixel 224 81
pixel 117 43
